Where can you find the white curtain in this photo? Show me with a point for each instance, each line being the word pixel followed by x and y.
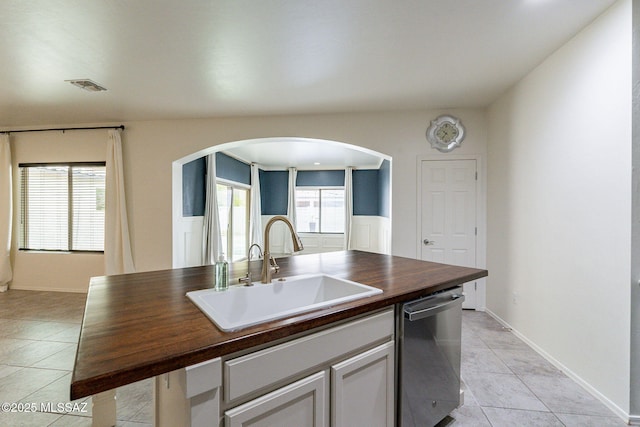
pixel 6 214
pixel 291 211
pixel 348 205
pixel 255 216
pixel 117 247
pixel 211 240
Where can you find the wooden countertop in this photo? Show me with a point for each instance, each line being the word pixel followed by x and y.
pixel 141 325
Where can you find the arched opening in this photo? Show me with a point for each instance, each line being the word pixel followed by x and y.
pixel 320 166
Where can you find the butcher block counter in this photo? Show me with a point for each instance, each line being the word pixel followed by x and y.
pixel 142 325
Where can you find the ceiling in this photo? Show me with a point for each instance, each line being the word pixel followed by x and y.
pixel 302 153
pixel 167 59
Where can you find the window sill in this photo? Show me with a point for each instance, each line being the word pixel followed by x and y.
pixel 45 251
pixel 316 233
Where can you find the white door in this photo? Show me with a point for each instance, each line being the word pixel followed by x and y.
pixel 448 216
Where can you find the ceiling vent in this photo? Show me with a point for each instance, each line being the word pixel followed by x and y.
pixel 87 84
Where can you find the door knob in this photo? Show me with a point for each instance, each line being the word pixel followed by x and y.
pixel 428 242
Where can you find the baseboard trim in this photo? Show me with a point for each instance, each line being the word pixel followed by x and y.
pixel 49 289
pixel 588 387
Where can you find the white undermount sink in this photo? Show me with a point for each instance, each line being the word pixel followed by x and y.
pixel 242 306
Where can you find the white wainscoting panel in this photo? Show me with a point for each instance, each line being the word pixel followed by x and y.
pixel 370 233
pixel 189 244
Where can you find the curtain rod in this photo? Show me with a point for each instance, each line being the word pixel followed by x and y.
pixel 63 129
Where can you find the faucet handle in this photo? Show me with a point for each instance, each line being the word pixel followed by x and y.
pixel 274 264
pixel 246 280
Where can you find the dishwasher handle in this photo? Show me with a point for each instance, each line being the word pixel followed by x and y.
pixel 434 309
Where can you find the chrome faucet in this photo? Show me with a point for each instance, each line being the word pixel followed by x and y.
pixel 247 279
pixel 269 265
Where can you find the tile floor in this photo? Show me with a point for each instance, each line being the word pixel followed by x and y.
pixel 506 383
pixel 38 338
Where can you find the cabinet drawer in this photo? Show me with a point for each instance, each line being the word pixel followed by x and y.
pixel 259 370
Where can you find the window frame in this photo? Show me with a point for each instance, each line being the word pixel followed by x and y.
pixel 23 229
pixel 229 243
pixel 320 188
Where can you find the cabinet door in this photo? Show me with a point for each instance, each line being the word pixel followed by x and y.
pixel 299 404
pixel 362 389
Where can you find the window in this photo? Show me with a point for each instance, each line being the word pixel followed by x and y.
pixel 320 210
pixel 62 207
pixel 233 207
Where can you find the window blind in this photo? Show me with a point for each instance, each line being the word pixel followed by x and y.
pixel 62 207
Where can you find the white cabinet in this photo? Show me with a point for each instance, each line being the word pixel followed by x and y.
pixel 341 376
pixel 362 389
pixel 302 403
pixel 358 357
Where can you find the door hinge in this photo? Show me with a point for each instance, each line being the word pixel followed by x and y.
pixel 476 231
pixel 475 286
pixel 476 175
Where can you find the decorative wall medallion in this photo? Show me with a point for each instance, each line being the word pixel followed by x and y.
pixel 445 133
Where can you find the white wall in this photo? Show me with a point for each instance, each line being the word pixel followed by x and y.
pixel 559 190
pixel 149 148
pixel 54 271
pixel 635 215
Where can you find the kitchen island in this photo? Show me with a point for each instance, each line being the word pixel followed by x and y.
pixel 142 325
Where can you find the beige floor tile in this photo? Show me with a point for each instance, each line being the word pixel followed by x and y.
pixel 573 420
pixel 63 359
pixel 563 395
pixel 8 370
pixel 57 393
pixel 500 417
pixel 31 419
pixel 466 416
pixel 70 334
pixel 72 421
pixel 33 352
pixel 502 391
pixel 20 384
pixel 9 345
pixel 32 329
pixel 482 360
pixel 133 400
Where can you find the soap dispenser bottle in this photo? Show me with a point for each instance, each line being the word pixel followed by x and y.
pixel 222 274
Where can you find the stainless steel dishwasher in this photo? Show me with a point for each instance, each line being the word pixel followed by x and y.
pixel 428 357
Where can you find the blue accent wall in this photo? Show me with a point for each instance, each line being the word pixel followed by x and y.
pixel 193 187
pixel 274 188
pixel 371 188
pixel 194 180
pixel 232 169
pixel 384 189
pixel 330 178
pixel 365 192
